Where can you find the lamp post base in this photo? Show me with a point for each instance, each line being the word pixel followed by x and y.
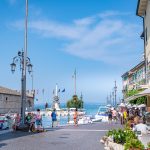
pixel 23 127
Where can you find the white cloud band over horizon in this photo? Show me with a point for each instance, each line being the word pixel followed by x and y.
pixel 104 37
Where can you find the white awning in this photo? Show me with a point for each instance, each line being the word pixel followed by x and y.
pixel 142 105
pixel 131 98
pixel 122 105
pixel 143 93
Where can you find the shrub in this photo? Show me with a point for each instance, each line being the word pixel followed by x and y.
pixel 133 144
pixel 121 136
pixel 148 145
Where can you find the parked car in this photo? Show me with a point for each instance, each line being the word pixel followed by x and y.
pixel 3 122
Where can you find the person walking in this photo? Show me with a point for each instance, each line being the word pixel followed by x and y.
pixel 54 117
pixel 125 115
pixel 109 116
pixel 75 117
pixel 17 122
pixel 114 115
pixel 121 115
pixel 38 120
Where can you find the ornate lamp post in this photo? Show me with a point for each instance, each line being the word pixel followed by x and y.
pixel 24 63
pixel 20 58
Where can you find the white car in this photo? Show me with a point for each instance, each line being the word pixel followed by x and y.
pixel 3 122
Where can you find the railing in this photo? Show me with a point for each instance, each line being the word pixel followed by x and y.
pixel 148 74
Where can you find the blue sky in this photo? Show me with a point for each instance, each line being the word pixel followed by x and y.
pixel 100 38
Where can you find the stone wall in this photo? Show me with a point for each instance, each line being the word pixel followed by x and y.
pixel 12 103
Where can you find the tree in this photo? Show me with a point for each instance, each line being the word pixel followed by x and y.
pixel 75 102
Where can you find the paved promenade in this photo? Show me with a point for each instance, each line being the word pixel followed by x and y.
pixel 83 137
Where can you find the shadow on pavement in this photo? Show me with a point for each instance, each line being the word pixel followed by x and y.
pixel 63 137
pixel 18 134
pixel 2 144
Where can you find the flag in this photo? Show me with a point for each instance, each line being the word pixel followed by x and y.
pixel 59 90
pixel 63 90
pixel 37 92
pixel 53 91
pixel 43 91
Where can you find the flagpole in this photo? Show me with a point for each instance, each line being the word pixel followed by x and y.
pixel 75 82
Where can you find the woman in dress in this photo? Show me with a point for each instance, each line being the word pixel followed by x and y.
pixel 75 117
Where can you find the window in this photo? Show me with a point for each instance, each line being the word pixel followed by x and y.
pixel 6 99
pixel 146 35
pixel 145 13
pixel 29 103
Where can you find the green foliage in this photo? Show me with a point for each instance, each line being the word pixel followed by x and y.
pixel 131 93
pixel 148 145
pixel 133 144
pixel 139 100
pixel 75 102
pixel 126 137
pixel 121 136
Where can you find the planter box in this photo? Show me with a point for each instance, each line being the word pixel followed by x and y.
pixel 115 146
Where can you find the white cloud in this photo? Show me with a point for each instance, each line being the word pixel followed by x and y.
pixel 57 30
pixel 84 21
pixel 96 37
pixel 110 13
pixel 11 2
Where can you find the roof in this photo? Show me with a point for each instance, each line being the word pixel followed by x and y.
pixel 138 66
pixel 141 7
pixel 133 69
pixel 125 74
pixel 4 90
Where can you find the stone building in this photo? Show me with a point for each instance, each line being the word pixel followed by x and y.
pixel 134 78
pixel 10 101
pixel 143 11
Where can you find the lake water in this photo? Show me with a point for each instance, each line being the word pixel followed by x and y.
pixel 90 108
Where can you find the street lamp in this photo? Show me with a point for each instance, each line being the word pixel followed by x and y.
pixel 29 68
pixel 13 67
pixel 24 63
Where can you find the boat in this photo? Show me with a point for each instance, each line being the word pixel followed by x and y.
pixel 82 120
pixel 102 114
pixel 3 122
pixel 97 119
